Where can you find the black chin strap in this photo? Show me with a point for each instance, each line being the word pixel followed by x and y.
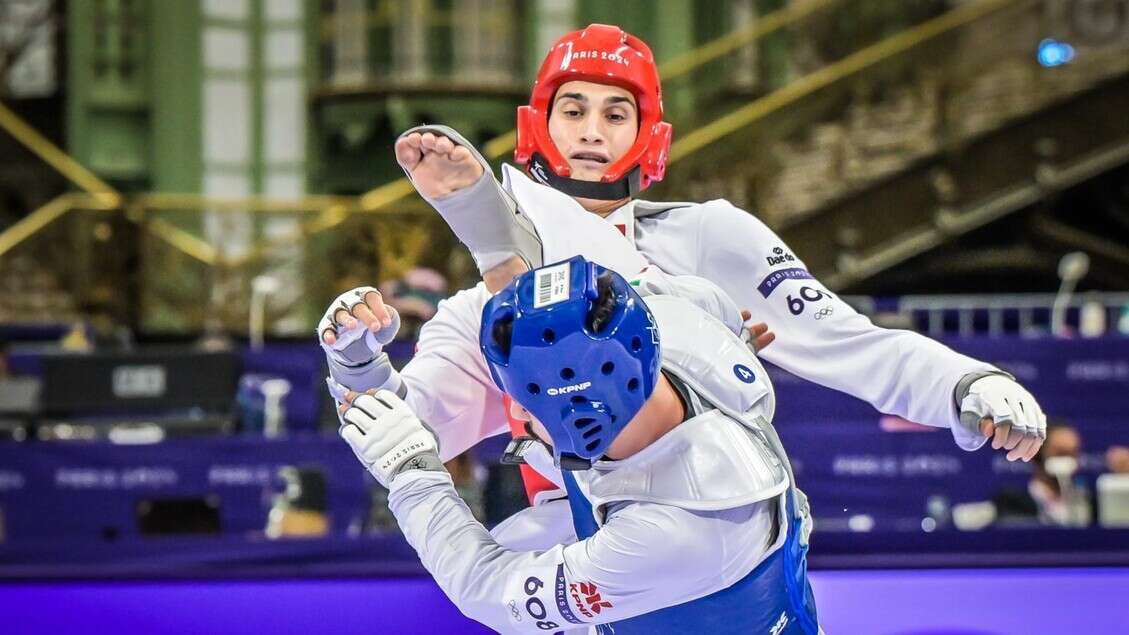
pixel 626 187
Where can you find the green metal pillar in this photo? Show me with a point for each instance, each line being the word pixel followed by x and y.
pixel 175 81
pixel 108 89
pixel 673 35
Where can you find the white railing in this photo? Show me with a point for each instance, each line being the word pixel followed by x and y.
pixel 1088 314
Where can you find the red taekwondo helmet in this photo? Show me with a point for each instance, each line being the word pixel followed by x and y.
pixel 600 54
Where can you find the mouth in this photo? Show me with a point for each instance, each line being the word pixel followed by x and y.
pixel 592 157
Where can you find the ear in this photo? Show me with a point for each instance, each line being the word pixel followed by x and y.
pixel 493 351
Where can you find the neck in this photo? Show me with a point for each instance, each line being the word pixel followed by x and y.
pixel 600 207
pixel 661 413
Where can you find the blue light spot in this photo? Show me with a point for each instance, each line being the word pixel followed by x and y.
pixel 1053 53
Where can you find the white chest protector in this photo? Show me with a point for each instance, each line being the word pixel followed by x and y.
pixel 566 229
pixel 725 457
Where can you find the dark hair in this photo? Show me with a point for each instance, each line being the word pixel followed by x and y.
pixel 1053 426
pixel 503 333
pixel 598 315
pixel 604 306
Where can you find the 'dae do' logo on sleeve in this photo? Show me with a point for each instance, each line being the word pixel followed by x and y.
pixel 779 257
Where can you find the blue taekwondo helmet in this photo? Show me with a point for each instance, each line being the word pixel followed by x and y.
pixel 584 385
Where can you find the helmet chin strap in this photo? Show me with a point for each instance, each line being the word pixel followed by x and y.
pixel 625 187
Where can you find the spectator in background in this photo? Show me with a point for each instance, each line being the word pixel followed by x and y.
pixel 299 510
pixel 77 339
pixel 1059 497
pixel 1054 495
pixel 1111 489
pixel 98 327
pixel 415 296
pixel 215 337
pixel 1117 459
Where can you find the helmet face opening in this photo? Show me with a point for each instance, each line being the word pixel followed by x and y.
pixel 600 54
pixel 583 353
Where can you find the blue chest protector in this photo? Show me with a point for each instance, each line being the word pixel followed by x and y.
pixel 774 599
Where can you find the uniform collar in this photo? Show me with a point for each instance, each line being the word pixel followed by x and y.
pixel 623 219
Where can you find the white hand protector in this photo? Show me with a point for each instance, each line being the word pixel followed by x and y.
pixel 386 435
pixel 706 295
pixel 1021 426
pixel 358 345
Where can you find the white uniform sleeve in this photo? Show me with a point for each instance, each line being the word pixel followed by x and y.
pixel 821 338
pixel 537 528
pixel 448 384
pixel 646 557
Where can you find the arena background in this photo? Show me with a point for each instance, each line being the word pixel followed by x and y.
pixel 184 186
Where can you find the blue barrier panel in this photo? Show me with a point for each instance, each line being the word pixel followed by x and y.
pixel 77 503
pixel 86 490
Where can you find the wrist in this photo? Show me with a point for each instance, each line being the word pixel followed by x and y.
pixel 485 218
pixel 410 452
pixel 411 484
pixel 428 461
pixel 377 373
pixel 960 391
pixel 347 367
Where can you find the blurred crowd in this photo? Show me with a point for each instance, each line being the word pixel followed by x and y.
pixel 1058 494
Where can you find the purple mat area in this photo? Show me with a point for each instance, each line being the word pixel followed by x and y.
pixel 973 601
pixel 915 602
pixel 253 607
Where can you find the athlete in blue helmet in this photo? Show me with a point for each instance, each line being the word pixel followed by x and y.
pixel 685 513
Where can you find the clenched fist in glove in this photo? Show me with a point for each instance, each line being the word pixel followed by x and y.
pixel 353 332
pixel 387 436
pixel 998 408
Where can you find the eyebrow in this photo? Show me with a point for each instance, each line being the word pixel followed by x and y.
pixel 614 99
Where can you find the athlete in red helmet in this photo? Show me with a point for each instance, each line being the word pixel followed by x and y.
pixel 591 138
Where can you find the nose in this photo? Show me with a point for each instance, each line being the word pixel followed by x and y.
pixel 590 130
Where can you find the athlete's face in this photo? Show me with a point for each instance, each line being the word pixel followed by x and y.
pixel 592 125
pixel 1063 442
pixel 518 412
